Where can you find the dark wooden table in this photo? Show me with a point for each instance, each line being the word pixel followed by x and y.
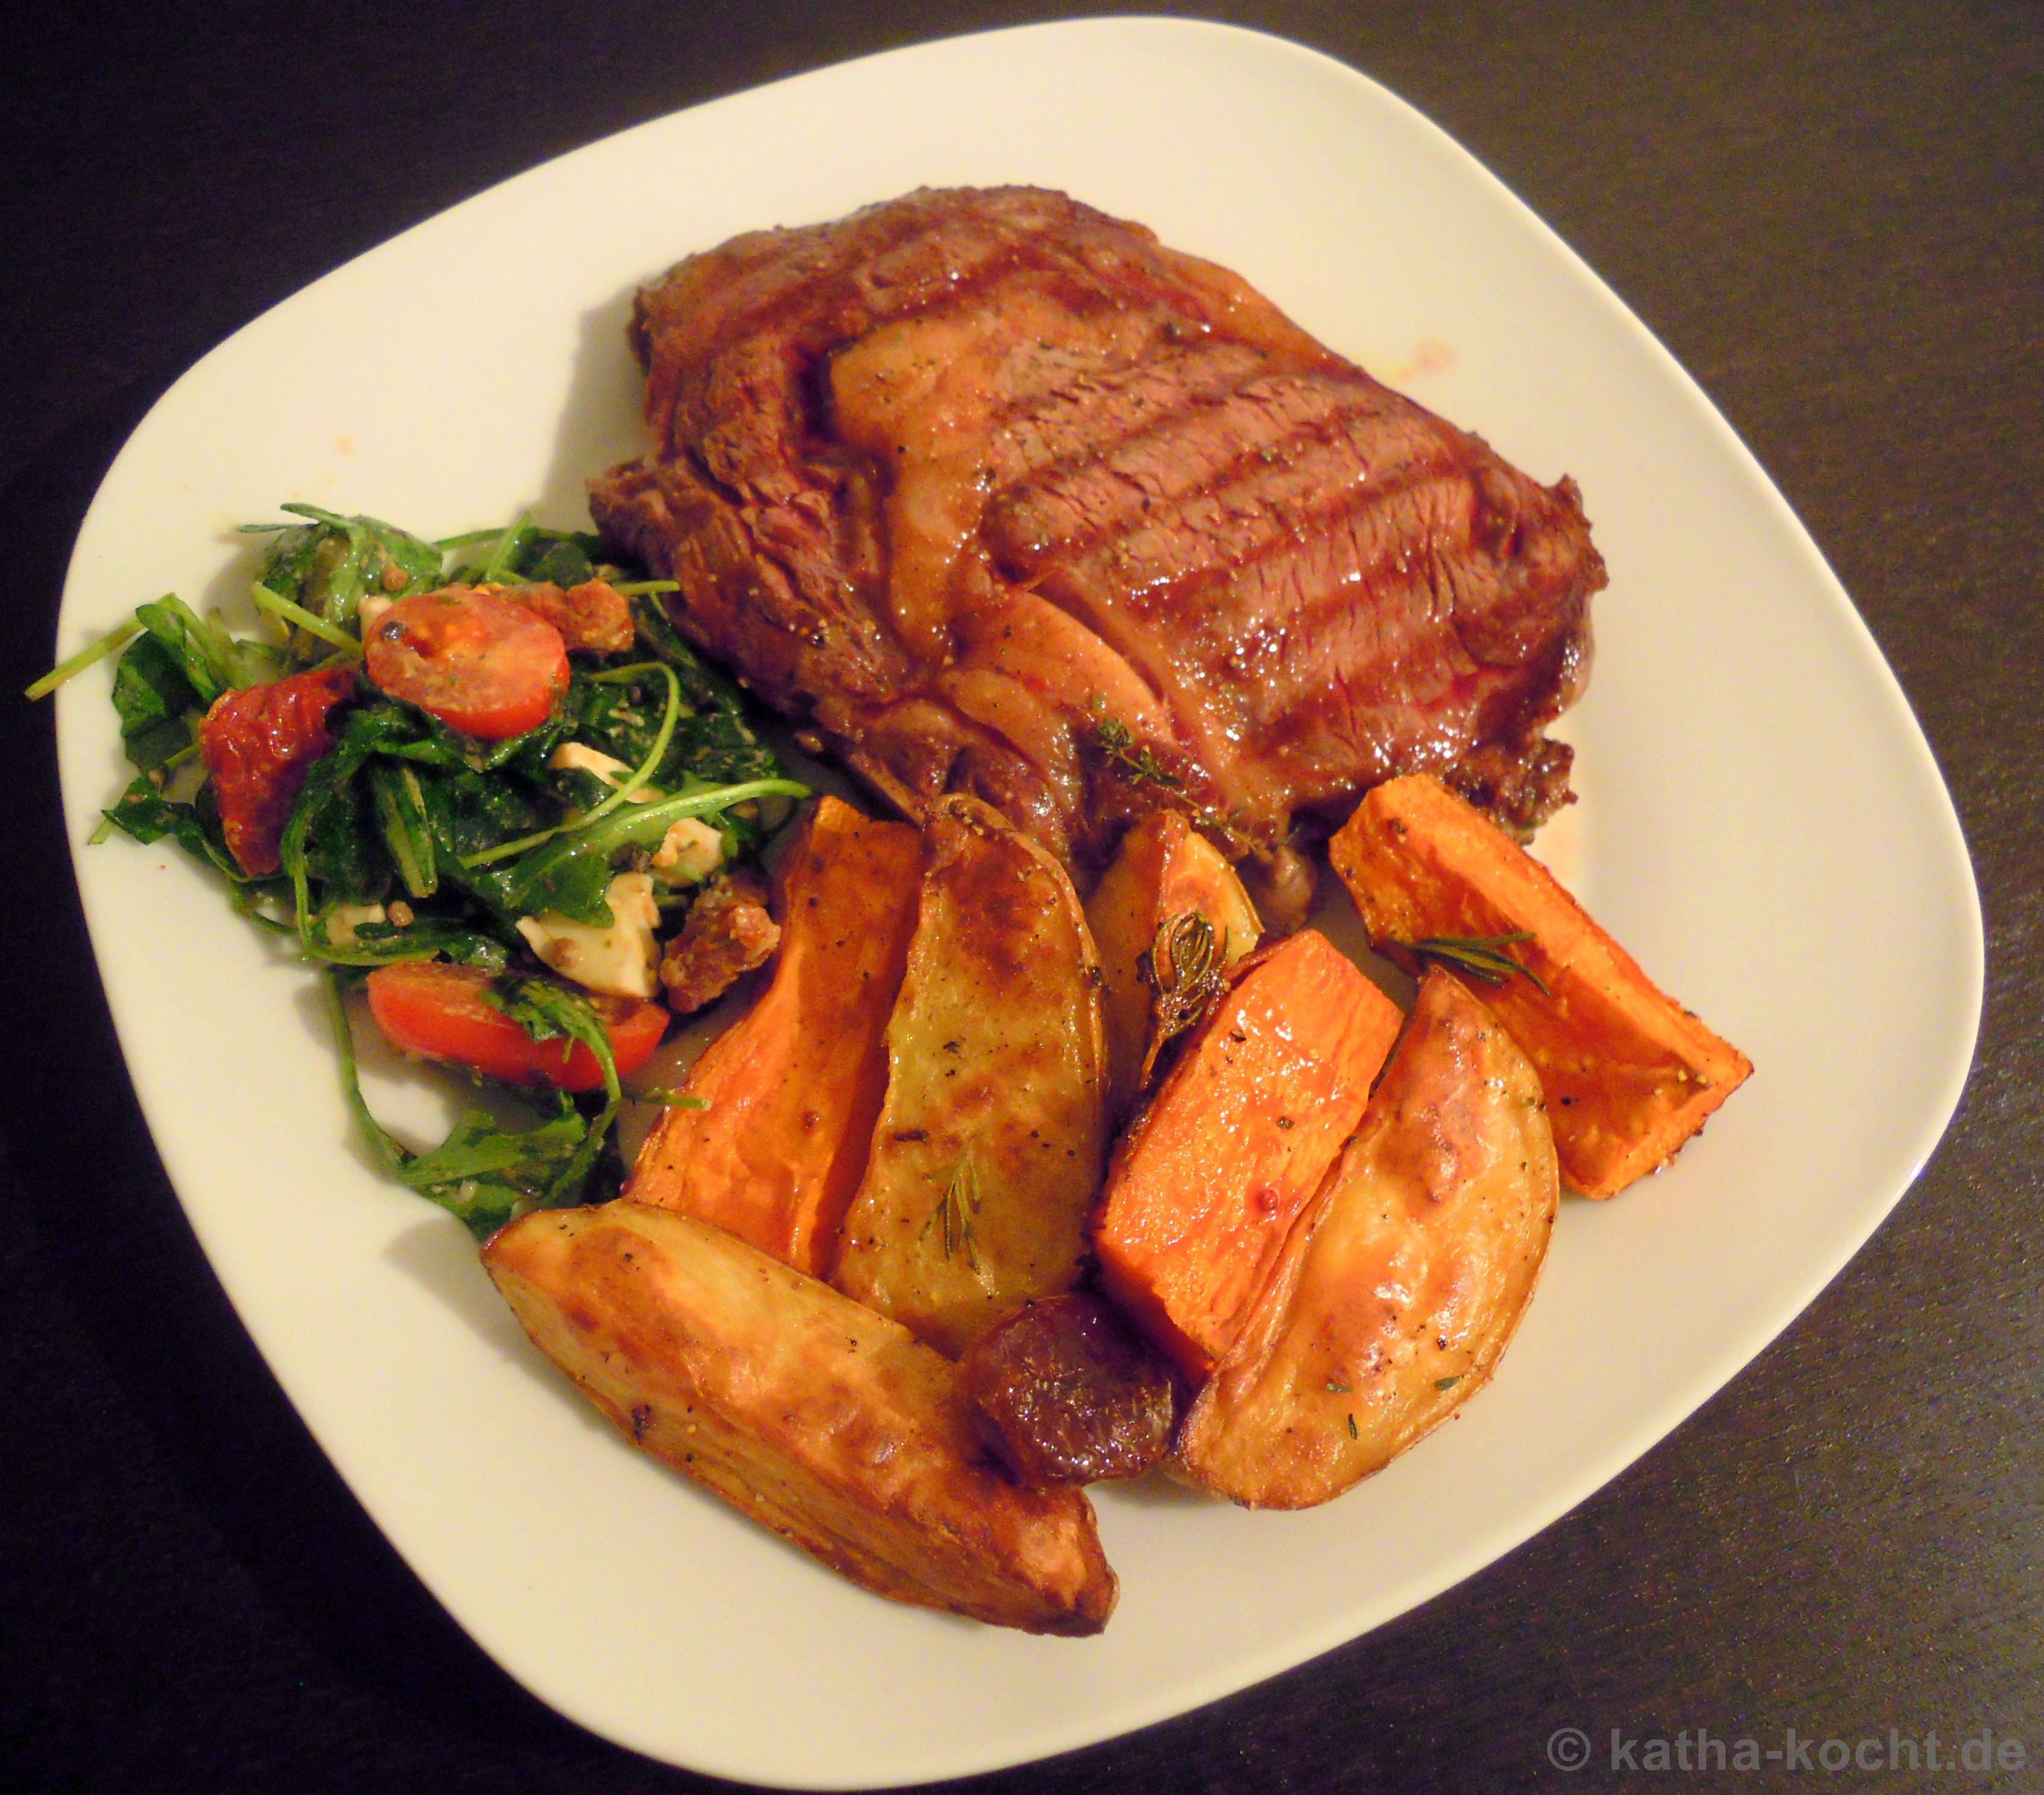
pixel 1835 218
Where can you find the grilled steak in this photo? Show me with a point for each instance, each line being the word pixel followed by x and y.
pixel 997 494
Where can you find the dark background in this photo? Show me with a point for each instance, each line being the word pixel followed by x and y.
pixel 1832 217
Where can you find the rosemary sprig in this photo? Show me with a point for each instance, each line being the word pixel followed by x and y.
pixel 1480 957
pixel 1187 968
pixel 953 1212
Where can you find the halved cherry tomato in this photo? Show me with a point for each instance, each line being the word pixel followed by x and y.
pixel 428 1007
pixel 259 745
pixel 480 664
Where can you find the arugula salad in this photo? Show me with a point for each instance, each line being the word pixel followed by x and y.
pixel 480 779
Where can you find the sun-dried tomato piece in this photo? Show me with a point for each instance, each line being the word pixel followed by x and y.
pixel 259 745
pixel 593 615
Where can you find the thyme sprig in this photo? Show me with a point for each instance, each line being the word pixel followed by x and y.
pixel 1140 765
pixel 1480 957
pixel 954 1213
pixel 1115 745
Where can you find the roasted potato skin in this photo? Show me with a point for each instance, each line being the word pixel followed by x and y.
pixel 1629 1074
pixel 1068 1392
pixel 830 1425
pixel 1400 1286
pixel 987 1154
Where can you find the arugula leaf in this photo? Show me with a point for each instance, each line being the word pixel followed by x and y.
pixel 621 714
pixel 155 702
pixel 489 1175
pixel 385 943
pixel 340 845
pixel 547 1012
pixel 401 814
pixel 470 814
pixel 331 834
pixel 569 873
pixel 112 643
pixel 417 559
pixel 144 813
pixel 437 745
pixel 718 745
pixel 537 1006
pixel 302 563
pixel 700 685
pixel 573 885
pixel 566 557
pixel 497 565
pixel 211 659
pixel 713 739
pixel 174 670
pixel 330 563
pixel 484 1172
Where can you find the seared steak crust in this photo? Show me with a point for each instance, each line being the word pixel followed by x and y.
pixel 960 479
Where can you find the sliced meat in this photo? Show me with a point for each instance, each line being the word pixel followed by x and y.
pixel 999 495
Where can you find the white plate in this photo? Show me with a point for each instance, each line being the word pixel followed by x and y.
pixel 1765 830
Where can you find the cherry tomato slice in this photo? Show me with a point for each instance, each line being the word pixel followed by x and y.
pixel 480 664
pixel 259 745
pixel 430 1008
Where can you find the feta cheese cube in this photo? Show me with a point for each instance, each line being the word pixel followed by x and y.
pixel 622 960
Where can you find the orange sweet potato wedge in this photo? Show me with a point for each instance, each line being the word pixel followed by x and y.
pixel 1164 873
pixel 1629 1074
pixel 1399 1288
pixel 793 1087
pixel 1205 1186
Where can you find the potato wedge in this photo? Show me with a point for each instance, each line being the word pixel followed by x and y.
pixel 828 1423
pixel 1164 871
pixel 988 1151
pixel 1629 1074
pixel 794 1085
pixel 1398 1290
pixel 1206 1185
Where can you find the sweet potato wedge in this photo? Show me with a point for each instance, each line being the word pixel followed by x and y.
pixel 1629 1074
pixel 828 1423
pixel 987 1154
pixel 792 1086
pixel 1205 1186
pixel 1164 871
pixel 1398 1290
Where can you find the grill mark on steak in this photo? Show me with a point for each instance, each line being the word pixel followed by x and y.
pixel 1281 603
pixel 941 478
pixel 1273 497
pixel 1067 428
pixel 1169 456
